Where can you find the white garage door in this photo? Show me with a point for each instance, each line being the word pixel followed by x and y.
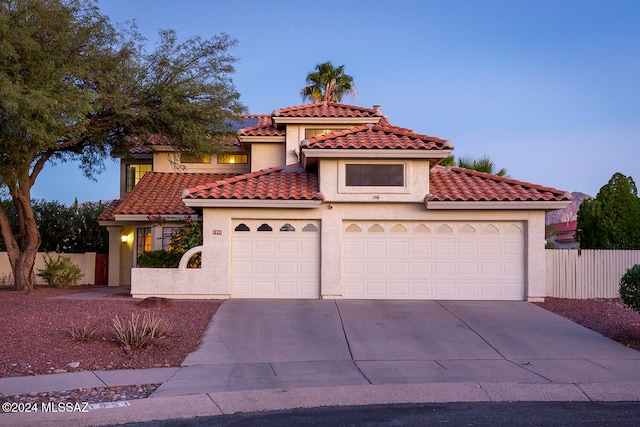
pixel 434 260
pixel 275 259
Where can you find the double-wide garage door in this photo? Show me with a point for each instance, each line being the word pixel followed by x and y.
pixel 275 259
pixel 434 260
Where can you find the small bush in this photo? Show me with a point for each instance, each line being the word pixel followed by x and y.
pixel 137 333
pixel 80 333
pixel 630 288
pixel 6 280
pixel 61 272
pixel 158 259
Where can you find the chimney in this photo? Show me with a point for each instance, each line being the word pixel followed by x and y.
pixel 378 109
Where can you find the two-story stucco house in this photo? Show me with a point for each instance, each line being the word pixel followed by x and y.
pixel 332 201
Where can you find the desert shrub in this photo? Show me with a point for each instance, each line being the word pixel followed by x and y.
pixel 60 272
pixel 6 280
pixel 630 287
pixel 159 259
pixel 80 333
pixel 137 333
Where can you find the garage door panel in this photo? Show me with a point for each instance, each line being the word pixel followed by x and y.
pixel 445 248
pixel 283 263
pixel 466 260
pixel 265 247
pixel 401 248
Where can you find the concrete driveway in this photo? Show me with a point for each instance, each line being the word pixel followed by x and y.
pixel 287 344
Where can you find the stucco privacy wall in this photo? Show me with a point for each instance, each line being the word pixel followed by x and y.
pixel 218 234
pixel 86 262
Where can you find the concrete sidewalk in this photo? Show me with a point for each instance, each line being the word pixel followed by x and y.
pixel 267 355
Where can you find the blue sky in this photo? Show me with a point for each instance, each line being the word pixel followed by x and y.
pixel 550 90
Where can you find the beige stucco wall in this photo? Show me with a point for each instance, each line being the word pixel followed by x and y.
pixel 332 183
pixel 165 162
pixel 332 215
pixel 295 134
pixel 86 262
pixel 267 155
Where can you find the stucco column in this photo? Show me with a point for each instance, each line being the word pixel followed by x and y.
pixel 331 286
pixel 115 242
pixel 536 284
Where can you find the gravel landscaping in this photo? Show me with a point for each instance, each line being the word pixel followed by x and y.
pixel 36 339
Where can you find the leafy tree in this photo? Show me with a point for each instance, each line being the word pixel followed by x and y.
pixel 612 219
pixel 75 87
pixel 327 83
pixel 69 229
pixel 483 164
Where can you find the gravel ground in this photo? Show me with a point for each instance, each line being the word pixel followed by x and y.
pixel 36 341
pixel 607 316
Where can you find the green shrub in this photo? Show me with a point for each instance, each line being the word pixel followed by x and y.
pixel 630 287
pixel 61 272
pixel 159 259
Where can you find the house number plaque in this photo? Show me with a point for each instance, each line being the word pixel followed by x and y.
pixel 217 232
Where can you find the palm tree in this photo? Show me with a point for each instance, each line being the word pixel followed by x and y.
pixel 483 164
pixel 327 83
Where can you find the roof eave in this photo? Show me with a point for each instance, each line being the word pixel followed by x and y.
pixel 325 120
pixel 377 154
pixel 251 139
pixel 546 205
pixel 252 203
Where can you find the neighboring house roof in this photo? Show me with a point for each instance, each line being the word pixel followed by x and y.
pixel 566 231
pixel 459 184
pixel 327 109
pixel 262 125
pixel 159 193
pixel 278 183
pixel 376 137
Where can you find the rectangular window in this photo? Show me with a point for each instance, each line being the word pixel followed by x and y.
pixel 135 172
pixel 188 158
pixel 310 133
pixel 143 240
pixel 233 158
pixel 167 232
pixel 374 175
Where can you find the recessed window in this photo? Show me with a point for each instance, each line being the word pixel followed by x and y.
pixel 135 172
pixel 189 158
pixel 143 240
pixel 310 133
pixel 374 175
pixel 167 234
pixel 228 159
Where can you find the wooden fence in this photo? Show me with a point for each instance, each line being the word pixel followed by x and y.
pixel 590 273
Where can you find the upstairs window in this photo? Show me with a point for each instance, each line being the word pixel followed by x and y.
pixel 229 159
pixel 310 133
pixel 374 175
pixel 189 158
pixel 134 173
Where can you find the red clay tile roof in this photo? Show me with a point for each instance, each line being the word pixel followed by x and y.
pixel 107 214
pixel 458 184
pixel 263 128
pixel 160 193
pixel 327 109
pixel 278 183
pixel 376 137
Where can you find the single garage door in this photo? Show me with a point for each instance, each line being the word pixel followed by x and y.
pixel 275 259
pixel 434 260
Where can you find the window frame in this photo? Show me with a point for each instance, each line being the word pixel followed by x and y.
pixel 137 174
pixel 343 188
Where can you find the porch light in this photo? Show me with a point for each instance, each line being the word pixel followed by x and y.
pixel 124 238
